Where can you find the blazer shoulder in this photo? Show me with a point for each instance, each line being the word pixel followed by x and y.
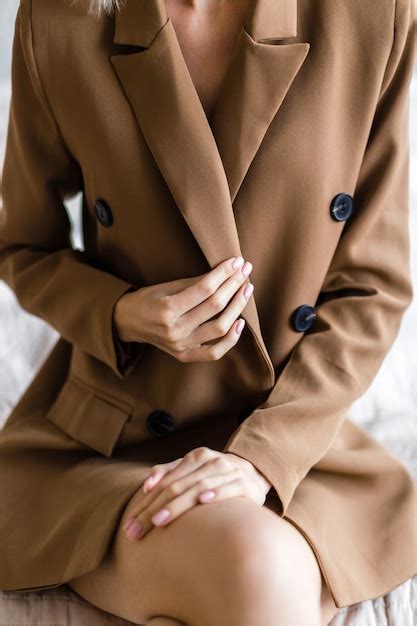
pixel 361 33
pixel 403 38
pixel 392 20
pixel 58 21
pixel 59 30
pixel 51 10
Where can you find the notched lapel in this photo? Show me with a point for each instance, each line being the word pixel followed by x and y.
pixel 254 88
pixel 263 67
pixel 202 164
pixel 174 125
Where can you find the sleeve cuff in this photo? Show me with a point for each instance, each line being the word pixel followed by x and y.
pixel 127 353
pixel 256 450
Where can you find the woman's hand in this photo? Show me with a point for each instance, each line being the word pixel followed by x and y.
pixel 176 316
pixel 202 475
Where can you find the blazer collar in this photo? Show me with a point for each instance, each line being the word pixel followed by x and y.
pixel 138 21
pixel 204 164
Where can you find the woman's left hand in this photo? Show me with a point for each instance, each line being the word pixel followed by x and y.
pixel 202 475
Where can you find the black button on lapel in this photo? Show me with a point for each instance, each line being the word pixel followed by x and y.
pixel 103 212
pixel 160 423
pixel 341 207
pixel 303 317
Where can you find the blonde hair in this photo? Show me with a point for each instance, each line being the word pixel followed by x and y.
pixel 99 7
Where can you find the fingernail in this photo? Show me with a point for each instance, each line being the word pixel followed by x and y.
pixel 149 482
pixel 135 529
pixel 207 495
pixel 161 516
pixel 240 325
pixel 248 290
pixel 237 262
pixel 128 523
pixel 247 268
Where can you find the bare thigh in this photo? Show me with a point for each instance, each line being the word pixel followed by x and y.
pixel 166 577
pixel 328 606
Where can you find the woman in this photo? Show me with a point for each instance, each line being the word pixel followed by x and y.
pixel 218 144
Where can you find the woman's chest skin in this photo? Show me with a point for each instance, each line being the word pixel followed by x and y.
pixel 207 36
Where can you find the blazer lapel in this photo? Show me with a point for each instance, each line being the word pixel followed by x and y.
pixel 204 164
pixel 256 83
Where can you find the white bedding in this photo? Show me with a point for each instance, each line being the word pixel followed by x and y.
pixel 388 409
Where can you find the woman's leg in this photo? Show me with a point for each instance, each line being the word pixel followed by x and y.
pixel 227 563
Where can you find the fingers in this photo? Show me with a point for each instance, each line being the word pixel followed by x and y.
pixel 188 331
pixel 181 496
pixel 182 467
pixel 196 346
pixel 203 475
pixel 217 302
pixel 213 351
pixel 158 472
pixel 161 476
pixel 191 335
pixel 215 329
pixel 168 508
pixel 205 287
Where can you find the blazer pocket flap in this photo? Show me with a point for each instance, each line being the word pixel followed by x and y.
pixel 89 416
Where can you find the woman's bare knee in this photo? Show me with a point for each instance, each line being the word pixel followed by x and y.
pixel 195 569
pixel 268 548
pixel 267 564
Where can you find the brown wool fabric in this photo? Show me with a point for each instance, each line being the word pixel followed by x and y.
pixel 314 105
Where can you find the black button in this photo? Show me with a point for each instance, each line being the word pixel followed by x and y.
pixel 341 207
pixel 159 423
pixel 303 317
pixel 103 212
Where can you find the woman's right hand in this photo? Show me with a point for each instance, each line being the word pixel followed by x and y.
pixel 176 316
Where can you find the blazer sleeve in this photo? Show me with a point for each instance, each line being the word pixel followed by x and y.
pixel 365 293
pixel 127 352
pixel 49 278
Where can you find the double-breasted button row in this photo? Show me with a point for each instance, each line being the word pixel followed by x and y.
pixel 160 423
pixel 341 207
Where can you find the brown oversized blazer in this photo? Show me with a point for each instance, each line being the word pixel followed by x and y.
pixel 302 169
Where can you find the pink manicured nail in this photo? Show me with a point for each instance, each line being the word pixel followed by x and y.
pixel 239 326
pixel 205 496
pixel 161 516
pixel 247 268
pixel 135 529
pixel 128 523
pixel 149 482
pixel 248 290
pixel 237 262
